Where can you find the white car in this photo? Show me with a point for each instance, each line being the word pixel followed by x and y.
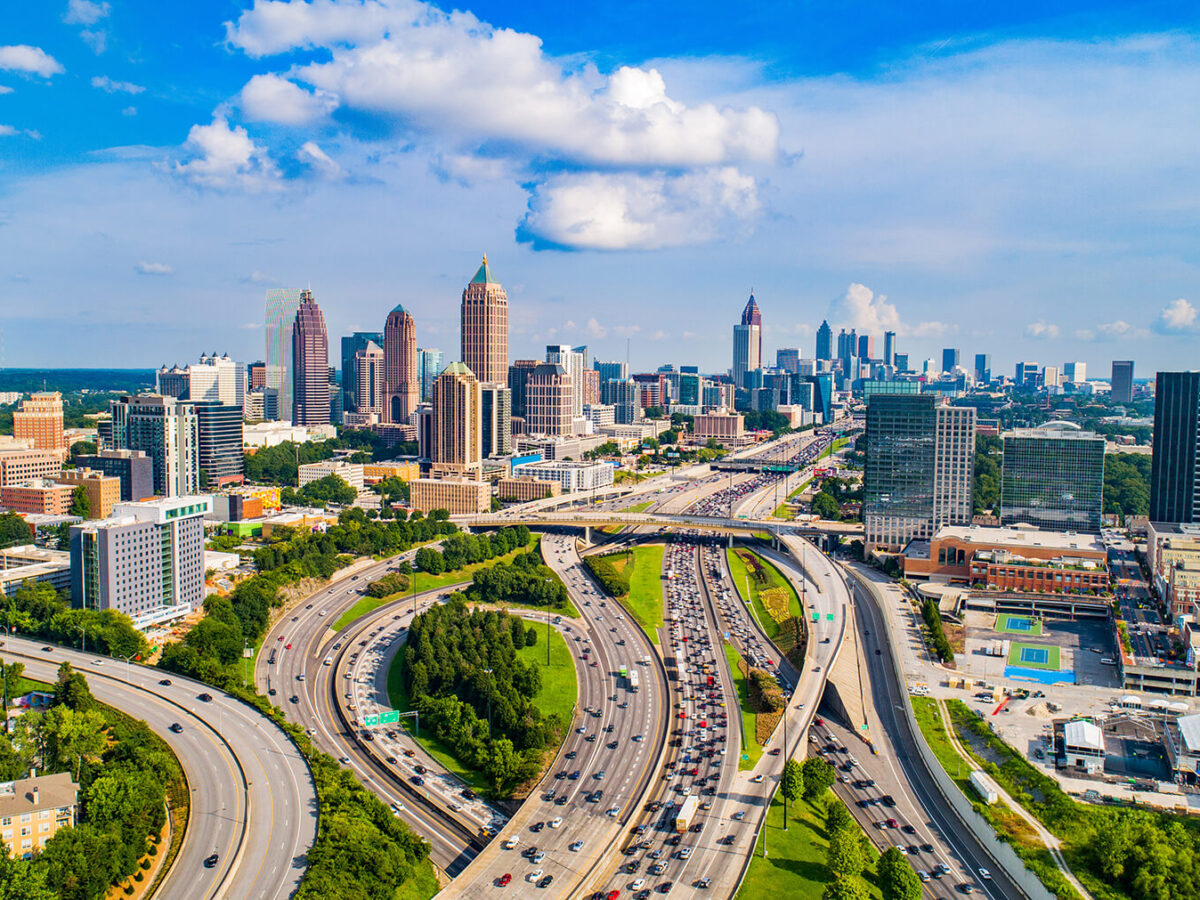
pixel 985 874
pixel 533 876
pixel 511 842
pixel 576 846
pixel 556 822
pixel 637 884
pixel 613 811
pixel 757 779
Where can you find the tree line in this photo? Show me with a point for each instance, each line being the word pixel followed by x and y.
pixel 279 464
pixel 36 608
pixel 525 581
pixel 937 632
pixel 460 665
pixel 611 579
pixel 460 550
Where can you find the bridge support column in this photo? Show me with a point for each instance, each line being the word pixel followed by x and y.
pixel 729 540
pixel 587 535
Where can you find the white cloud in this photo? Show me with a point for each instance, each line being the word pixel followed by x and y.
pixel 1041 330
pixel 257 277
pixel 10 131
pixel 85 12
pixel 659 335
pixel 624 211
pixel 595 329
pixel 866 312
pixel 34 60
pixel 224 158
pixel 1110 331
pixel 1178 317
pixel 154 268
pixel 270 98
pixel 4 89
pixel 316 159
pixel 106 84
pixel 7 131
pixel 129 111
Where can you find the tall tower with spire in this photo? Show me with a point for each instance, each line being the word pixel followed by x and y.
pixel 485 327
pixel 747 343
pixel 401 382
pixel 310 358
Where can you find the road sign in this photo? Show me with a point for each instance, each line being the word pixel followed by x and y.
pixel 387 718
pixel 371 720
pixel 828 617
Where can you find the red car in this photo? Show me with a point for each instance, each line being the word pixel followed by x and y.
pixel 505 879
pixel 280 638
pixel 613 895
pixel 818 721
pixel 287 646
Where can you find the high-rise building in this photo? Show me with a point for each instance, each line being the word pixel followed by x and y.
pixel 1175 466
pixel 950 359
pixel 495 436
pixel 351 344
pixel 457 442
pixel 611 370
pixel 591 387
pixel 518 377
pixel 549 401
pixel 901 362
pixel 1122 381
pixel 367 373
pixel 146 560
pixel 788 359
pixel 919 469
pixel 219 455
pixel 624 397
pixel 983 368
pixel 40 421
pixel 401 375
pixel 172 381
pixel 691 390
pixel 103 491
pixel 429 367
pixel 282 306
pixel 866 347
pixel 134 469
pixel 1028 376
pixel 571 360
pixel 310 364
pixel 1053 478
pixel 824 341
pixel 1074 372
pixel 889 348
pixel 167 431
pixel 747 343
pixel 256 374
pixel 217 379
pixel 484 320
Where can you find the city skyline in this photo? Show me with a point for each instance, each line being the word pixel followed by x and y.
pixel 241 149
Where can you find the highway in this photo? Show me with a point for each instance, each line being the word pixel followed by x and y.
pixel 616 731
pixel 253 799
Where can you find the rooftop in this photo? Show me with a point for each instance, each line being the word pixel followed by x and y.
pixel 1189 730
pixel 484 275
pixel 1083 734
pixel 1022 536
pixel 37 792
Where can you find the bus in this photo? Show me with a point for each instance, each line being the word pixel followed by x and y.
pixel 633 681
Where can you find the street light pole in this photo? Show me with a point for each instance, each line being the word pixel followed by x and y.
pixel 488 673
pixel 784 772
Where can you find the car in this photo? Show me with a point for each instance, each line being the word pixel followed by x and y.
pixel 417 780
pixel 505 879
pixel 545 882
pixel 985 874
pixel 613 811
pixel 420 770
pixel 556 822
pixel 965 888
pixel 537 827
pixel 271 692
pixel 757 779
pixel 533 876
pixel 739 815
pixel 665 887
pixel 287 646
pixel 211 861
pixel 892 823
pixel 300 677
pixel 538 856
pixel 638 884
pixel 293 699
pixel 176 727
pixel 570 754
pixel 612 895
pixel 165 682
pixel 205 698
pixel 927 848
pixel 908 829
pixel 922 874
pixel 576 846
pixel 47 649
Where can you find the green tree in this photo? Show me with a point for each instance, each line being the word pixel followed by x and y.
pixel 818 777
pixel 14 531
pixel 72 737
pixel 897 880
pixel 846 856
pixel 330 489
pixel 793 781
pixel 838 818
pixel 81 504
pixel 20 879
pixel 844 887
pixel 825 506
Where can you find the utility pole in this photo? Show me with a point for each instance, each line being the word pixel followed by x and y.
pixel 786 757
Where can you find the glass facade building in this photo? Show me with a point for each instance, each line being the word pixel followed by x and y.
pixel 1053 477
pixel 282 306
pixel 351 344
pixel 1174 470
pixel 221 459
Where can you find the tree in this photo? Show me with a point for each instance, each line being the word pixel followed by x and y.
pixel 793 781
pixel 21 880
pixel 825 506
pixel 838 818
pixel 818 777
pixel 81 504
pixel 71 737
pixel 330 489
pixel 531 637
pixel 14 531
pixel 897 880
pixel 845 887
pixel 846 856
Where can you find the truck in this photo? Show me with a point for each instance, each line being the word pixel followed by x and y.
pixel 683 818
pixel 983 785
pixel 633 681
pixel 624 670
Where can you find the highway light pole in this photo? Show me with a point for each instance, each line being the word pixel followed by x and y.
pixel 488 673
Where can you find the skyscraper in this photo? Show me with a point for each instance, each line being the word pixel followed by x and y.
pixel 611 370
pixel 1122 381
pixel 983 368
pixel 866 347
pixel 401 378
pixel 351 344
pixel 310 364
pixel 788 359
pixel 571 360
pixel 484 320
pixel 518 377
pixel 1175 466
pixel 495 436
pixel 220 457
pixel 40 421
pixel 429 367
pixel 950 359
pixel 824 341
pixel 1053 477
pixel 889 348
pixel 367 373
pixel 457 441
pixel 549 395
pixel 1074 372
pixel 282 305
pixel 166 430
pixel 747 343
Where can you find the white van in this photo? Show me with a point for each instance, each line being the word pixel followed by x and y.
pixel 1108 662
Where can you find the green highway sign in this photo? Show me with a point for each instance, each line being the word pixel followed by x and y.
pixel 387 718
pixel 828 617
pixel 371 720
pixel 816 617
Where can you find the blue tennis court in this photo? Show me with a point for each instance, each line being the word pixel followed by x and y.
pixel 1037 656
pixel 1006 622
pixel 1016 623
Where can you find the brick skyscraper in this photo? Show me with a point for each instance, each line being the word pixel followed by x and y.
pixel 485 327
pixel 40 421
pixel 310 361
pixel 402 387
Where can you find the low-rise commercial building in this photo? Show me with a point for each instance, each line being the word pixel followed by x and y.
pixel 527 488
pixel 1173 553
pixel 28 562
pixel 459 496
pixel 33 809
pixel 1083 745
pixel 573 476
pixel 23 466
pixel 351 473
pixel 103 491
pixel 1182 738
pixel 723 427
pixel 373 473
pixel 42 496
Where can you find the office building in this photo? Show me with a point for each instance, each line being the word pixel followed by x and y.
pixel 574 476
pixel 133 469
pixel 866 347
pixel 691 390
pixel 889 348
pixel 484 319
pixel 600 415
pixel 401 364
pixel 172 381
pixel 1173 553
pixel 282 306
pixel 34 809
pixel 310 364
pixel 146 560
pixel 495 434
pixel 788 359
pixel 1175 466
pixel 167 431
pixel 103 491
pixel 21 466
pixel 901 362
pixel 1074 372
pixel 591 387
pixel 220 454
pixel 41 496
pixel 367 375
pixel 262 405
pixel 983 368
pixel 28 562
pixel 351 344
pixel 354 474
pixel 526 489
pixel 611 371
pixel 625 399
pixel 1122 381
pixel 1053 478
pixel 256 375
pixel 457 495
pixel 457 444
pixel 429 367
pixel 723 427
pixel 1028 376
pixel 549 401
pixel 747 343
pixel 919 468
pixel 214 378
pixel 950 359
pixel 572 360
pixel 39 421
pixel 824 341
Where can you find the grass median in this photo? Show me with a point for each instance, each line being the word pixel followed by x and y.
pixel 645 599
pixel 767 585
pixel 751 749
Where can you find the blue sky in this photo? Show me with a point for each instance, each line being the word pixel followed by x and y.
pixel 1018 179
